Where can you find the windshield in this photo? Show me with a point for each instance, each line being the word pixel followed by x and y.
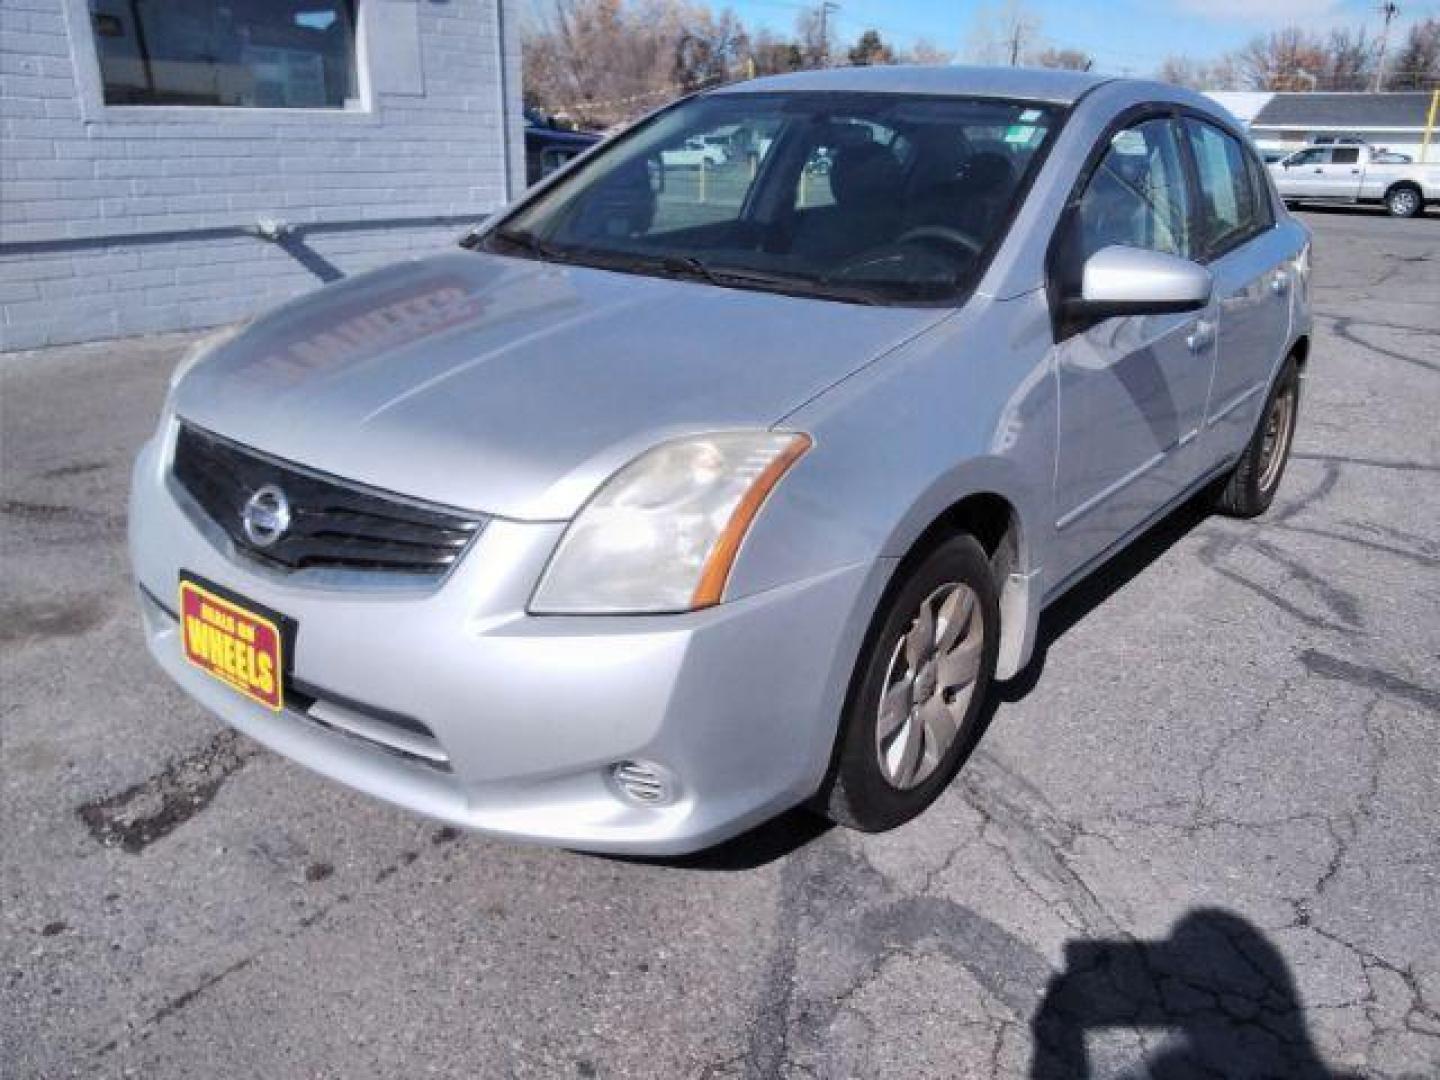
pixel 855 197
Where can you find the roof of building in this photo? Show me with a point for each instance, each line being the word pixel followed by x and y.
pixel 1344 112
pixel 1028 84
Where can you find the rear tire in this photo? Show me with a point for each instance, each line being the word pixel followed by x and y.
pixel 917 693
pixel 1404 201
pixel 1251 487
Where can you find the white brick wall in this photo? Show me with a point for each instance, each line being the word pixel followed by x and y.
pixel 119 221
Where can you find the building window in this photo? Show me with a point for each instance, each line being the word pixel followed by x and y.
pixel 267 54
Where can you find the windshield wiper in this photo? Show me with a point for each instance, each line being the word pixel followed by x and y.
pixel 522 238
pixel 792 284
pixel 689 264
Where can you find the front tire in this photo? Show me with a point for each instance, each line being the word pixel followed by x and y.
pixel 1251 487
pixel 1404 201
pixel 918 690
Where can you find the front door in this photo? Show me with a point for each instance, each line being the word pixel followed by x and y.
pixel 1303 174
pixel 1132 389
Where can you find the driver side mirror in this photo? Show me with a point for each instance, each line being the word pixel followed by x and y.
pixel 1118 281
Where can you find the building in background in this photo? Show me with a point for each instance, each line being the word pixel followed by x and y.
pixel 176 164
pixel 1290 121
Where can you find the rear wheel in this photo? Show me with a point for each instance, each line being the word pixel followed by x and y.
pixel 1404 201
pixel 1251 487
pixel 918 690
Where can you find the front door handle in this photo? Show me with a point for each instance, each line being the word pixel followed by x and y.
pixel 1280 283
pixel 1201 336
pixel 1320 171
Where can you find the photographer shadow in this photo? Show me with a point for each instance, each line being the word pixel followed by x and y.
pixel 1216 986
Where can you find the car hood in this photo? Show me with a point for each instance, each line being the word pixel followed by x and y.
pixel 515 387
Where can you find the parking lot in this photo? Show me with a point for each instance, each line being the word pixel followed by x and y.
pixel 1198 834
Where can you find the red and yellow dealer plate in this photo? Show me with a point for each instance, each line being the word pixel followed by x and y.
pixel 237 646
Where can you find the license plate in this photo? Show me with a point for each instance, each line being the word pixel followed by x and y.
pixel 233 641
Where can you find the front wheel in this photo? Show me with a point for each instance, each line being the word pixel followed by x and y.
pixel 918 689
pixel 1251 487
pixel 1404 202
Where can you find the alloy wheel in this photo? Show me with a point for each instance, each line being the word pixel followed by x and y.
pixel 928 685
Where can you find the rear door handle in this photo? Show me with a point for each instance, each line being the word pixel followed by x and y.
pixel 1201 336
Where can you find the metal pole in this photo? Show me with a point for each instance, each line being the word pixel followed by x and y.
pixel 826 7
pixel 1389 9
pixel 1430 124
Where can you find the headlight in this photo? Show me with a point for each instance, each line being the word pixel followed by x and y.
pixel 203 348
pixel 662 533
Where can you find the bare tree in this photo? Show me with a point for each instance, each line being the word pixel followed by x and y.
pixel 925 51
pixel 816 37
pixel 1003 33
pixel 600 61
pixel 1417 64
pixel 1183 71
pixel 1287 59
pixel 1064 59
pixel 1349 61
pixel 1198 75
pixel 772 55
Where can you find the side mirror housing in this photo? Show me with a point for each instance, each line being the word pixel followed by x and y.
pixel 1118 281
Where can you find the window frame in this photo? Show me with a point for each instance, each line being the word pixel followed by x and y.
pixel 1062 327
pixel 90 83
pixel 1262 198
pixel 1061 113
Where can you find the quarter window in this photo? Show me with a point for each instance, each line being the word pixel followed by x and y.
pixel 245 53
pixel 1229 206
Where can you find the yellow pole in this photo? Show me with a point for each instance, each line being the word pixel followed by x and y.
pixel 1430 124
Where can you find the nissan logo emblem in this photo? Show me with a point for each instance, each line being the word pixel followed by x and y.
pixel 266 516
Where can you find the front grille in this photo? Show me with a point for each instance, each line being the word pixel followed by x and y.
pixel 332 524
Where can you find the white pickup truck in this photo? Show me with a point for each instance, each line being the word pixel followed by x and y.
pixel 1356 174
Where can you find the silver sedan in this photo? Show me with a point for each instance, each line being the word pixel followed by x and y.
pixel 687 494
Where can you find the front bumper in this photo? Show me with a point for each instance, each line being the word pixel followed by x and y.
pixel 738 703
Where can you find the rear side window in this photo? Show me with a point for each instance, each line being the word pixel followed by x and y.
pixel 1137 196
pixel 1229 210
pixel 1344 155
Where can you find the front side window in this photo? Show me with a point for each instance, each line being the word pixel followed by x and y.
pixel 242 53
pixel 859 197
pixel 1229 206
pixel 1310 157
pixel 1137 196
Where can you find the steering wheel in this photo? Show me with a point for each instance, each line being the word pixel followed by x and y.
pixel 946 234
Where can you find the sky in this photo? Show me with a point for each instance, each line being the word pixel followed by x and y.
pixel 1124 36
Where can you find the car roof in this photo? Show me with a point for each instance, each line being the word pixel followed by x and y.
pixel 1027 84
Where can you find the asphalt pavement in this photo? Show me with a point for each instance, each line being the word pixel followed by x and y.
pixel 1200 832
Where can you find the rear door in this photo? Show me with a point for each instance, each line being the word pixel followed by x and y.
pixel 1250 260
pixel 1132 389
pixel 1340 176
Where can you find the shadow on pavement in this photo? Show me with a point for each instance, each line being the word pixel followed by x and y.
pixel 1216 986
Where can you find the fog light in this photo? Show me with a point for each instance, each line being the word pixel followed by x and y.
pixel 643 782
